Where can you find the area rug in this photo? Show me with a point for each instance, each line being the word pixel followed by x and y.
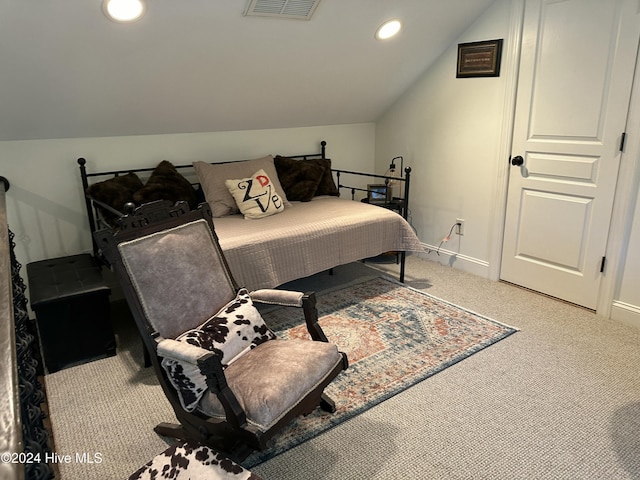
pixel 394 336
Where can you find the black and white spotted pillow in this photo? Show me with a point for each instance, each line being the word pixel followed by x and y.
pixel 191 460
pixel 233 331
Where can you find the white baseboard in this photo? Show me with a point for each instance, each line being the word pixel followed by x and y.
pixel 626 313
pixel 623 312
pixel 455 260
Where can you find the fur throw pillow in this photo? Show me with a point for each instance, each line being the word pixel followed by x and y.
pixel 299 178
pixel 326 184
pixel 115 192
pixel 165 183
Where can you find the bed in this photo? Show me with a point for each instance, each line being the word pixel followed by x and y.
pixel 314 228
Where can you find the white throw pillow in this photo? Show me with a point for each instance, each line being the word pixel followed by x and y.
pixel 256 196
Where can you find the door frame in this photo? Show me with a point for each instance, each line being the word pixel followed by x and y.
pixel 627 189
pixel 626 195
pixel 510 69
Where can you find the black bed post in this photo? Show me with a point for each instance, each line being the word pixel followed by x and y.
pixel 85 184
pixel 405 210
pixel 405 214
pixel 323 146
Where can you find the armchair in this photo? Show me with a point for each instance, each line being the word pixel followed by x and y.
pixel 232 384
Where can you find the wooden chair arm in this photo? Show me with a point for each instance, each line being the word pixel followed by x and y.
pixel 211 367
pixel 285 298
pixel 311 317
pixel 306 301
pixel 179 351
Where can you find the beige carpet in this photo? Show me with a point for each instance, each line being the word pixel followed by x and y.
pixel 559 400
pixel 108 407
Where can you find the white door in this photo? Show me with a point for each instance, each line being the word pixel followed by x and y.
pixel 575 78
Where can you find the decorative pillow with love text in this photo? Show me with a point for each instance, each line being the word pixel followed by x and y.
pixel 255 196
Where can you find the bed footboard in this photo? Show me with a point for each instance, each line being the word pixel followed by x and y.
pixel 399 204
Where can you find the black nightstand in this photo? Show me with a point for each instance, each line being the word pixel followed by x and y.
pixel 71 303
pixel 395 204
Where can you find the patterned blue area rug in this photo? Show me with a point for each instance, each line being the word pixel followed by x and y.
pixel 394 336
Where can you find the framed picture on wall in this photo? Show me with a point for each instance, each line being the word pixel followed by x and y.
pixel 479 59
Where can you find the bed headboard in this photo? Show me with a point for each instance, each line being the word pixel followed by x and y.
pixel 93 206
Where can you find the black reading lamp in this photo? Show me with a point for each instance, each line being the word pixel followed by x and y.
pixel 394 185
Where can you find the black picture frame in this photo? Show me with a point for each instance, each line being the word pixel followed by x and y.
pixel 479 59
pixel 378 193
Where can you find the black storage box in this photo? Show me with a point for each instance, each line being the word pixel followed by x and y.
pixel 71 303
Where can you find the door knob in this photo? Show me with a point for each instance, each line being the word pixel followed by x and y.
pixel 517 161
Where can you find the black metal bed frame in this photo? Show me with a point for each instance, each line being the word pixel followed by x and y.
pixel 93 206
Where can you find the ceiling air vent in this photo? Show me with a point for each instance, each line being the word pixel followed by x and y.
pixel 297 9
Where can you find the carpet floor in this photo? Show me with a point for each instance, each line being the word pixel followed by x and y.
pixel 558 400
pixel 394 337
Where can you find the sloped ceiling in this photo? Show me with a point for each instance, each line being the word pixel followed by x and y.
pixel 201 66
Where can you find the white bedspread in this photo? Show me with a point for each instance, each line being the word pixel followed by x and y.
pixel 308 238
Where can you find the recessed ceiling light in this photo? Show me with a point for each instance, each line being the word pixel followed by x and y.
pixel 123 10
pixel 388 29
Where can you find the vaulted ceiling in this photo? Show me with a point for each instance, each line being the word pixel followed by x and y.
pixel 202 66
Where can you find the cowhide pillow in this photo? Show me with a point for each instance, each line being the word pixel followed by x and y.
pixel 192 460
pixel 233 331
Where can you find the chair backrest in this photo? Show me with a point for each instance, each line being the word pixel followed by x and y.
pixel 174 265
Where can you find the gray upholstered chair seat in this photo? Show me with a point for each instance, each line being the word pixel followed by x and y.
pixel 262 379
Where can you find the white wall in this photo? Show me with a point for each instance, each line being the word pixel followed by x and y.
pixel 45 207
pixel 626 305
pixel 449 130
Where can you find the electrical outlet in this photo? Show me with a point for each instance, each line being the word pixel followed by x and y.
pixel 459 226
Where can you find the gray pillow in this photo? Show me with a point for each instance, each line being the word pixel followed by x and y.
pixel 212 177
